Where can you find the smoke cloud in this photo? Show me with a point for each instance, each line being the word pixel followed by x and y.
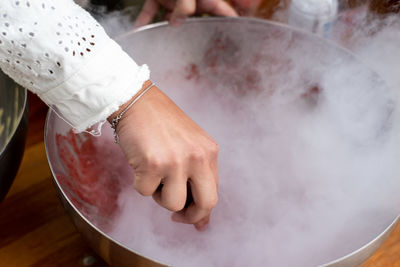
pixel 309 141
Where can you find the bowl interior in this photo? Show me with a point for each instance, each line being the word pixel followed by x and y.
pixel 307 136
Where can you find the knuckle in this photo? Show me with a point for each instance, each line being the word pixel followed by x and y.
pixel 133 163
pixel 141 189
pixel 175 161
pixel 145 193
pixel 176 206
pixel 198 155
pixel 213 202
pixel 209 204
pixel 153 162
pixel 192 220
pixel 214 149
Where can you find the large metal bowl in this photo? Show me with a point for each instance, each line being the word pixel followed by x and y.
pixel 13 130
pixel 185 48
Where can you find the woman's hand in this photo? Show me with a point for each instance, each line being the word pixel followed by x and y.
pixel 170 155
pixel 180 9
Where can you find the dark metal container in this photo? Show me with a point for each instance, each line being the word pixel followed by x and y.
pixel 13 130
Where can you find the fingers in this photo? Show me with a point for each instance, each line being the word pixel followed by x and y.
pixel 183 9
pixel 148 12
pixel 204 200
pixel 219 8
pixel 202 224
pixel 205 197
pixel 198 193
pixel 172 194
pixel 146 183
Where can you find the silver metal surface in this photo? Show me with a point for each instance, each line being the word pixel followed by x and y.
pixel 13 130
pixel 113 252
pixel 358 257
pixel 180 46
pixel 12 104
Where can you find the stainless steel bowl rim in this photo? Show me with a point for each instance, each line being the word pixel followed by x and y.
pixel 365 246
pixel 211 19
pixel 246 20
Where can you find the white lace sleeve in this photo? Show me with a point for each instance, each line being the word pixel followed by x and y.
pixel 58 51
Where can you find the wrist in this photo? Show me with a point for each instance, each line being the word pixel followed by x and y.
pixel 119 115
pixel 145 85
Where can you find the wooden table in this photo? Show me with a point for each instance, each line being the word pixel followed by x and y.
pixel 35 230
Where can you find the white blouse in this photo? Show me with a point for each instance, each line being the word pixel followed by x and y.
pixel 57 50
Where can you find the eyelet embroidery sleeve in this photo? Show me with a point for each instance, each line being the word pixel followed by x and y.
pixel 57 50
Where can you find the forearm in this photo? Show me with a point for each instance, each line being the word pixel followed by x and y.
pixel 58 51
